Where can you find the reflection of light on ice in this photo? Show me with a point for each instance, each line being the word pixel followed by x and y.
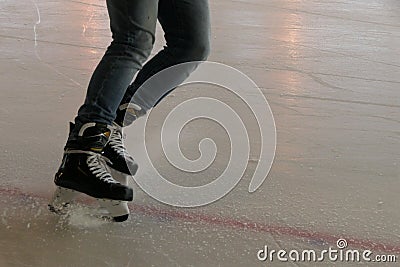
pixel 85 25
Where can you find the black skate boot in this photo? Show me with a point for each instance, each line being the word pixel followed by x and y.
pixel 121 161
pixel 83 170
pixel 118 156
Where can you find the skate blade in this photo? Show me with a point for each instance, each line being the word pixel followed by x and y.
pixel 61 199
pixel 117 210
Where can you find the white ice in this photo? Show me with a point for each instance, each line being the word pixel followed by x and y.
pixel 331 73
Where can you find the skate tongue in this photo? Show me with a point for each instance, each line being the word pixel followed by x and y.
pixel 94 136
pixel 94 129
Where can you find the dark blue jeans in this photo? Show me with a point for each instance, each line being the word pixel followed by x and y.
pixel 186 24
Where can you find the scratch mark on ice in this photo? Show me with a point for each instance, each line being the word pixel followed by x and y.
pixel 36 23
pixel 36 45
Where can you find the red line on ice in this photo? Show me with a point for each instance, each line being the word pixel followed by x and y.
pixel 213 220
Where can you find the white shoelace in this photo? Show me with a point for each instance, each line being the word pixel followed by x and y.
pixel 116 142
pixel 96 165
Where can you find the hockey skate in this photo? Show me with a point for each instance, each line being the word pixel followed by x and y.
pixel 118 157
pixel 84 170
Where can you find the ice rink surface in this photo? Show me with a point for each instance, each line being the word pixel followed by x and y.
pixel 331 73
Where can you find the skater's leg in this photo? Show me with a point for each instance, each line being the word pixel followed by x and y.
pixel 187 31
pixel 186 25
pixel 133 26
pixel 83 168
